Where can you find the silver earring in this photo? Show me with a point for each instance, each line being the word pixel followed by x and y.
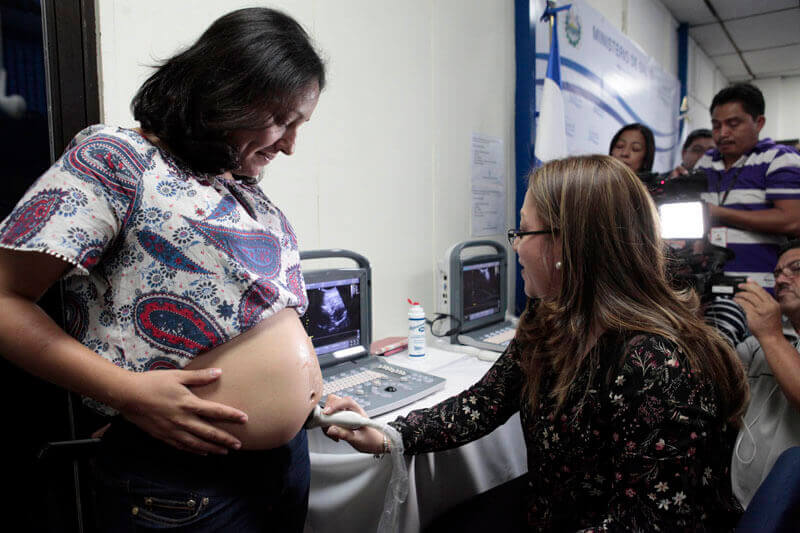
pixel 558 265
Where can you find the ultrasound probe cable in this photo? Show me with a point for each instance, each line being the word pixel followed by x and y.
pixel 397 491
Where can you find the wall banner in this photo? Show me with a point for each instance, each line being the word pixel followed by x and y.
pixel 608 81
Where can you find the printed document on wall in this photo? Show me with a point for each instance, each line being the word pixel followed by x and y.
pixel 488 186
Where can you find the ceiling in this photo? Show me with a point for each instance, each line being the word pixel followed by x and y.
pixel 746 39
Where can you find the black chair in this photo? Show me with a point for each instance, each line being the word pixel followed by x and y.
pixel 775 507
pixel 62 470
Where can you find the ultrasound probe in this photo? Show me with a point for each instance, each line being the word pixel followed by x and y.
pixel 397 491
pixel 345 419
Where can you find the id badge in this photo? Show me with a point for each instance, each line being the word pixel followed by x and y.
pixel 719 236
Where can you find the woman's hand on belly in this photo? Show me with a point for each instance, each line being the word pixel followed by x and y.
pixel 161 403
pixel 272 373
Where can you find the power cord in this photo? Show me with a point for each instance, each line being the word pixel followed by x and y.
pixel 455 330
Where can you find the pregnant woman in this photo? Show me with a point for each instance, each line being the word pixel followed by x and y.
pixel 182 287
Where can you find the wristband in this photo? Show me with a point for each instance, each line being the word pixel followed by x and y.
pixel 386 448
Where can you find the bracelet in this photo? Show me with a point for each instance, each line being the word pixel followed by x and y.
pixel 386 448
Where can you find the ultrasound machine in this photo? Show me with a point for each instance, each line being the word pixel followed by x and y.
pixel 339 322
pixel 473 291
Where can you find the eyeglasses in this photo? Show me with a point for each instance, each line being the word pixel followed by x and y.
pixel 514 233
pixel 697 149
pixel 790 271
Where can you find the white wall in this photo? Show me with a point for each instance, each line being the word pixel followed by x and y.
pixel 782 113
pixel 383 168
pixel 705 80
pixel 652 26
pixel 615 11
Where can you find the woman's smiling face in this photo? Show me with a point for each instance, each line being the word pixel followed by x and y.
pixel 258 146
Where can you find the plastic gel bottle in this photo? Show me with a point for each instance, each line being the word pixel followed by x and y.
pixel 416 330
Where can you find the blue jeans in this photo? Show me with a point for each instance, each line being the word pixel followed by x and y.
pixel 142 484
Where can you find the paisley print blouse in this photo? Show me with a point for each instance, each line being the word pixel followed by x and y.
pixel 168 263
pixel 644 449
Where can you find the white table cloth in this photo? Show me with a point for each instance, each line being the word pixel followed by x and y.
pixel 348 488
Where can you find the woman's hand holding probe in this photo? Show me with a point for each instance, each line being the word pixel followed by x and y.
pixel 162 404
pixel 365 439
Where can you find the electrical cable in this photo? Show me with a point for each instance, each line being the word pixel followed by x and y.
pixel 455 330
pixel 397 491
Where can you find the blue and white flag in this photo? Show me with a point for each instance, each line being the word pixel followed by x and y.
pixel 551 133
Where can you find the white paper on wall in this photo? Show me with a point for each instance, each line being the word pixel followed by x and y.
pixel 488 186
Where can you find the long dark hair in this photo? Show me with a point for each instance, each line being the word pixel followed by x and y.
pixel 613 278
pixel 249 65
pixel 649 144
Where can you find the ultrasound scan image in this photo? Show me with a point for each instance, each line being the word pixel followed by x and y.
pixel 481 288
pixel 332 310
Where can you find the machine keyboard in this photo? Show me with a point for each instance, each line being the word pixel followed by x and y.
pixel 502 336
pixel 379 387
pixel 349 381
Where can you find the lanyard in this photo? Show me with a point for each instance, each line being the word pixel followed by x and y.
pixel 730 185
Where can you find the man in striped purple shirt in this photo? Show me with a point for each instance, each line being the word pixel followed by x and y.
pixel 753 185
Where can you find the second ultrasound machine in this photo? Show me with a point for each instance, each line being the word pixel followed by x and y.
pixel 339 322
pixel 474 292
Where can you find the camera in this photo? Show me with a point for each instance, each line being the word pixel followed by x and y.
pixel 700 265
pixel 724 286
pixel 692 260
pixel 686 188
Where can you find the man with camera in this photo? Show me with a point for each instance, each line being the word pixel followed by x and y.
pixel 772 422
pixel 697 143
pixel 753 185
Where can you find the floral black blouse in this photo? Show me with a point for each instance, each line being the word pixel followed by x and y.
pixel 643 450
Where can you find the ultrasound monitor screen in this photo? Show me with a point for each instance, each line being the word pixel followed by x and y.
pixel 333 317
pixel 481 285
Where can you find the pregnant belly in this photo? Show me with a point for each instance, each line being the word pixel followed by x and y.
pixel 271 373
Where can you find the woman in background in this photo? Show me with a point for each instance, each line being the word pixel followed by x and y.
pixel 628 401
pixel 182 287
pixel 635 146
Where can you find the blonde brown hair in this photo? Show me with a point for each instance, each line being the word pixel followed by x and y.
pixel 613 279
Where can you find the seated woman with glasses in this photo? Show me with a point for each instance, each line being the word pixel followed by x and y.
pixel 628 402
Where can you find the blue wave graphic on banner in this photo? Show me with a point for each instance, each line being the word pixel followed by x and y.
pixel 580 91
pixel 585 72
